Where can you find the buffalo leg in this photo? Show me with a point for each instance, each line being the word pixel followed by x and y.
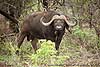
pixel 34 44
pixel 58 40
pixel 57 43
pixel 20 39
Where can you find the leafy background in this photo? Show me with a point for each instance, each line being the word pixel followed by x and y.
pixel 80 48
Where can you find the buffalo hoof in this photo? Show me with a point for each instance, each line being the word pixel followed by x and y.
pixel 17 52
pixel 57 54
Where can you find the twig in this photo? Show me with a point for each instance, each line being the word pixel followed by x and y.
pixel 3 36
pixel 9 17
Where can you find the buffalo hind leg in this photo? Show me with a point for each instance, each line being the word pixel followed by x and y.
pixel 34 44
pixel 20 40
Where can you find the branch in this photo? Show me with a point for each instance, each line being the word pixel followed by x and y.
pixel 59 2
pixel 9 17
pixel 10 5
pixel 3 36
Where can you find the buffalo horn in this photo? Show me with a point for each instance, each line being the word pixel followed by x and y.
pixel 57 17
pixel 47 24
pixel 68 22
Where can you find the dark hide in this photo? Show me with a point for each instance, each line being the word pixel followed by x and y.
pixel 33 29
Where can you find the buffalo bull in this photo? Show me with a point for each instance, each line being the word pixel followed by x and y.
pixel 48 25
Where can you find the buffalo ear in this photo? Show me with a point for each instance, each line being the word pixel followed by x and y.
pixel 67 27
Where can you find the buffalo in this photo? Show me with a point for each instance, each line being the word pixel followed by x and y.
pixel 49 25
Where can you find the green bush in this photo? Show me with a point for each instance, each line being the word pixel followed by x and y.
pixel 46 54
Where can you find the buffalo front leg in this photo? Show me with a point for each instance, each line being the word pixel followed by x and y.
pixel 34 44
pixel 58 40
pixel 57 44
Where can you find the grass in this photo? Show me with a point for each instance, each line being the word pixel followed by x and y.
pixel 71 50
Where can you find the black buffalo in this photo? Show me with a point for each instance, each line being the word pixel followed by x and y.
pixel 48 25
